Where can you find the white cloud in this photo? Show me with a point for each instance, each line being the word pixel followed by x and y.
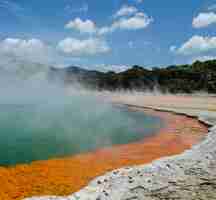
pixel 78 24
pixel 88 47
pixel 173 48
pixel 203 58
pixel 32 49
pixel 196 45
pixel 87 26
pixel 126 10
pixel 204 20
pixel 104 30
pixel 115 68
pixel 138 21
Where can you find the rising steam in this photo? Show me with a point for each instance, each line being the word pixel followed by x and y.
pixel 40 119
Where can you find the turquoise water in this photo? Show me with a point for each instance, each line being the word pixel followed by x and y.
pixel 57 128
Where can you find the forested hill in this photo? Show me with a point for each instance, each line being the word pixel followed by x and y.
pixel 200 76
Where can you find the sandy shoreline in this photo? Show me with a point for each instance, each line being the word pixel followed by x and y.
pixel 188 176
pixel 57 177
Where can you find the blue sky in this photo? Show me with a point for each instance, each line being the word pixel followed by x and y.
pixel 112 34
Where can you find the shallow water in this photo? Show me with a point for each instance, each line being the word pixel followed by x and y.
pixel 50 129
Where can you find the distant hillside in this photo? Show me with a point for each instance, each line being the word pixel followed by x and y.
pixel 200 76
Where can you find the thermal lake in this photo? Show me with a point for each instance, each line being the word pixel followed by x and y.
pixel 55 128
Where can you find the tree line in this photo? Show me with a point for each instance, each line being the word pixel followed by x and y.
pixel 199 76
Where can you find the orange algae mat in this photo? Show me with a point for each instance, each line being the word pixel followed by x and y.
pixel 66 175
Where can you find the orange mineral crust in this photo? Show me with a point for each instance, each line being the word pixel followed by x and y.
pixel 66 175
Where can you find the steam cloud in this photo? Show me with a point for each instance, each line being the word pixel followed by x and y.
pixel 42 116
